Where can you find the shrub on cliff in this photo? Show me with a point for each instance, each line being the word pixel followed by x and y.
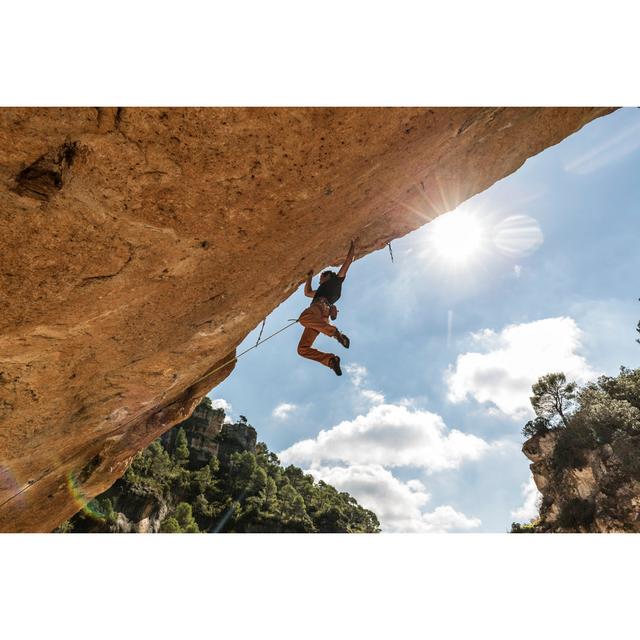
pixel 576 513
pixel 572 446
pixel 536 427
pixel 627 449
pixel 518 527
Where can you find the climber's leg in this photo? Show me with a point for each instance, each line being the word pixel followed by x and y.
pixel 307 351
pixel 315 322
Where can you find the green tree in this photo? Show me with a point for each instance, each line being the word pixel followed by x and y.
pixel 242 468
pixel 269 497
pixel 553 397
pixel 170 525
pixel 535 427
pixel 184 516
pixel 181 454
pixel 292 509
pixel 624 386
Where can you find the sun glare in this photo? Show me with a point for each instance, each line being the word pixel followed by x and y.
pixel 457 237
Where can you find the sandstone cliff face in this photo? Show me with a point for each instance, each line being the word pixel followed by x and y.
pixel 139 247
pixel 599 497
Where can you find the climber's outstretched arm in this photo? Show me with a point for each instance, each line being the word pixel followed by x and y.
pixel 347 263
pixel 308 290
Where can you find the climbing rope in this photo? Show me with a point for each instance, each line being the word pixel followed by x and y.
pixel 228 362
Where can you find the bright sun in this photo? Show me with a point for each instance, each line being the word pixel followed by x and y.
pixel 456 237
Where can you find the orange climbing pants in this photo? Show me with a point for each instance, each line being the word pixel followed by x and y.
pixel 315 320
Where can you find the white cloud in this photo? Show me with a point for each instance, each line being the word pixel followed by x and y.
pixel 530 506
pixel 372 396
pixel 220 403
pixel 283 410
pixel 513 360
pixel 393 436
pixel 358 374
pixel 517 270
pixel 397 504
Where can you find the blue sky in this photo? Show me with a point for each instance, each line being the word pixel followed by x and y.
pixel 424 425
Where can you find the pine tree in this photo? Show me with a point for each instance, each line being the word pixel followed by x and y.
pixel 181 454
pixel 553 397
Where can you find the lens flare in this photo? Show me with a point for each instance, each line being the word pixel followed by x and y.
pixel 517 235
pixel 87 506
pixel 9 486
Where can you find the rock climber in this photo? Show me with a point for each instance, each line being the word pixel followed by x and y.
pixel 317 317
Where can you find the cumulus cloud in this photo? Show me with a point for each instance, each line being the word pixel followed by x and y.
pixel 511 361
pixel 283 410
pixel 398 505
pixel 220 403
pixel 531 500
pixel 389 435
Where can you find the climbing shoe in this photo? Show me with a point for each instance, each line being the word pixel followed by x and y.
pixel 343 340
pixel 334 363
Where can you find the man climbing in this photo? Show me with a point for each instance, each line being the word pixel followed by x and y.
pixel 317 317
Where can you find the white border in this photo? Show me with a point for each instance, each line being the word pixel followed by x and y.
pixel 319 586
pixel 285 52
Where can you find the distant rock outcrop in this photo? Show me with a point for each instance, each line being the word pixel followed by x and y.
pixel 235 438
pixel 599 496
pixel 242 488
pixel 140 246
pixel 201 429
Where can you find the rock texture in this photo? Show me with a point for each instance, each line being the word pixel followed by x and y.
pixel 139 247
pixel 135 514
pixel 236 438
pixel 599 497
